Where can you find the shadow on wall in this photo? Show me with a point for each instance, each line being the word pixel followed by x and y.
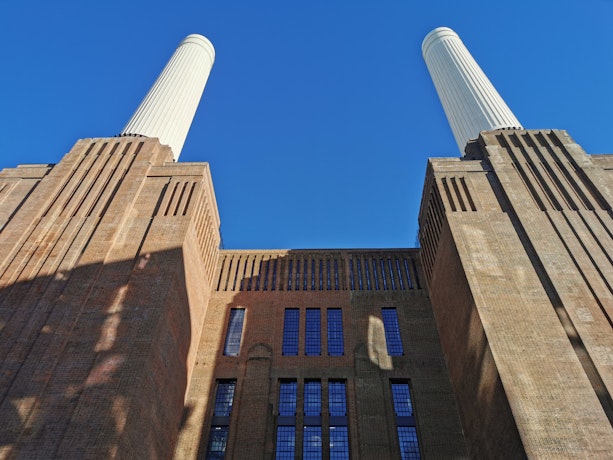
pixel 93 361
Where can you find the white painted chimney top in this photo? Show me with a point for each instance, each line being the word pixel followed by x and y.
pixel 469 99
pixel 169 107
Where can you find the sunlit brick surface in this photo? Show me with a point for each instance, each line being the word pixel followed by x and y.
pixel 517 250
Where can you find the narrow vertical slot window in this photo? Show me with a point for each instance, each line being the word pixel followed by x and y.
pixel 250 282
pixel 328 281
pixel 416 275
pixel 359 265
pixel 405 421
pixel 336 288
pixel 234 332
pixel 383 274
pixel 407 272
pixel 218 436
pixel 312 274
pixel 367 273
pixel 393 281
pixel 289 275
pixel 297 284
pixel 321 275
pixel 266 275
pixel 399 273
pixel 312 447
pixel 223 263
pixel 290 332
pixel 286 429
pixel 313 332
pixel 337 407
pixel 273 284
pixel 257 280
pixel 352 283
pixel 335 332
pixel 374 273
pixel 238 263
pixel 242 283
pixel 392 332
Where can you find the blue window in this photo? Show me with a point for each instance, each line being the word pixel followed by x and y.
pixel 402 399
pixel 290 332
pixel 287 397
pixel 218 436
pixel 286 434
pixel 337 398
pixel 335 332
pixel 218 439
pixel 337 406
pixel 392 332
pixel 312 397
pixel 407 433
pixel 339 443
pixel 311 447
pixel 409 448
pixel 224 397
pixel 234 332
pixel 313 332
pixel 286 442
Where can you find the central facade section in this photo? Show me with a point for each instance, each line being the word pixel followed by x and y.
pixel 320 354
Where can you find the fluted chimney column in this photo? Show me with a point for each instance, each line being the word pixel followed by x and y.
pixel 169 107
pixel 469 99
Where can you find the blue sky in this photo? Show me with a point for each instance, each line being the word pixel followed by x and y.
pixel 318 117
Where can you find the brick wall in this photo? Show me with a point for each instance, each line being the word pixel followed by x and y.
pixel 365 366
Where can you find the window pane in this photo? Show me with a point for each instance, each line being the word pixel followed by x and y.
pixel 392 332
pixel 217 442
pixel 409 449
pixel 286 441
pixel 313 332
pixel 312 443
pixel 224 397
pixel 312 397
pixel 339 443
pixel 337 398
pixel 290 332
pixel 234 332
pixel 287 398
pixel 402 399
pixel 335 332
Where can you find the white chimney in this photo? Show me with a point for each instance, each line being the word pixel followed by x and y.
pixel 169 107
pixel 471 102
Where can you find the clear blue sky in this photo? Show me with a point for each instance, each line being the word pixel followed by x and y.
pixel 319 116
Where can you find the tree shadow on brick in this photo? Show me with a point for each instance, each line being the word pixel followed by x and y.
pixel 94 360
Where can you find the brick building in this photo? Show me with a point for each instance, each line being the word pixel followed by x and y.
pixel 126 332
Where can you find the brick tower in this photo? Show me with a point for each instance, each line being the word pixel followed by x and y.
pixel 517 250
pixel 106 263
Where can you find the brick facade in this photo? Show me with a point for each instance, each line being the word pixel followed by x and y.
pixel 365 365
pixel 517 250
pixel 115 301
pixel 105 263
